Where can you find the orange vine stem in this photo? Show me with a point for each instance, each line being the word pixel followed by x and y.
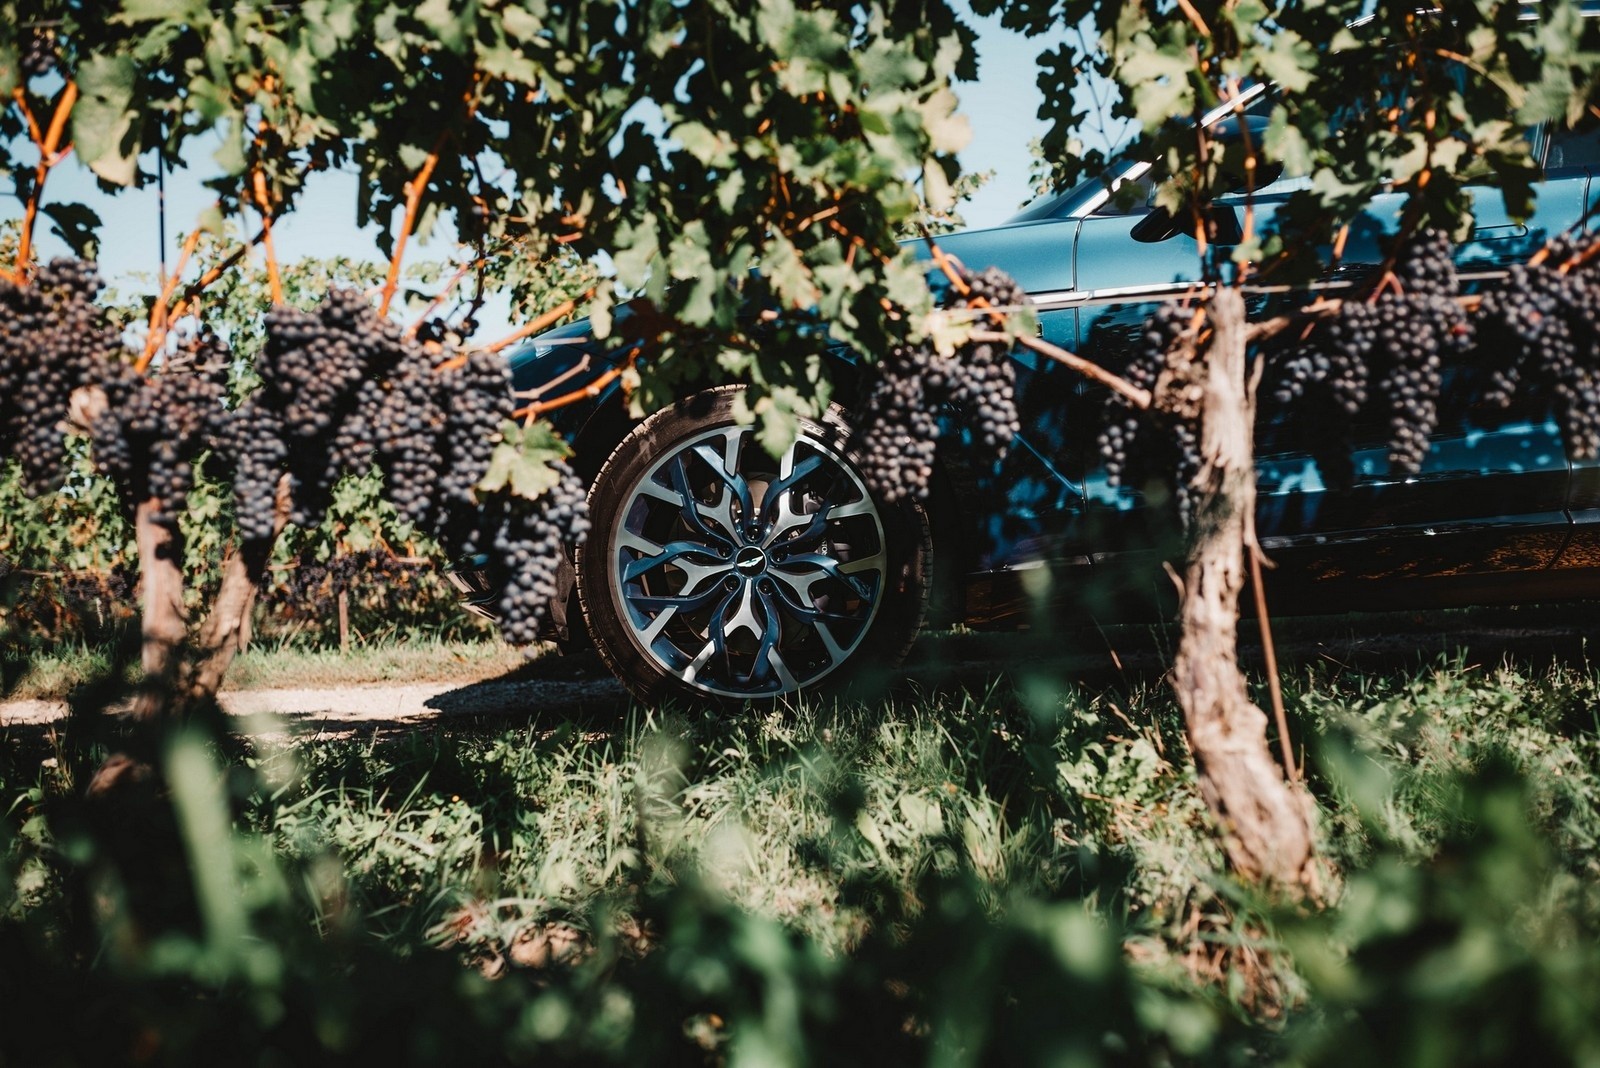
pixel 199 285
pixel 455 280
pixel 159 317
pixel 1140 398
pixel 264 205
pixel 565 308
pixel 414 191
pixel 35 134
pixel 48 158
pixel 570 373
pixel 943 259
pixel 1193 16
pixel 593 389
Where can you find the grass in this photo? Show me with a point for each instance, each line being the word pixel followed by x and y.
pixel 948 843
pixel 53 673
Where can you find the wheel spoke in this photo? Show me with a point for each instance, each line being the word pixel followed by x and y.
pixel 677 554
pixel 728 472
pixel 692 509
pixel 827 565
pixel 786 483
pixel 800 605
pixel 651 488
pixel 657 625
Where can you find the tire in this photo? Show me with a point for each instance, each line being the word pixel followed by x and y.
pixel 686 598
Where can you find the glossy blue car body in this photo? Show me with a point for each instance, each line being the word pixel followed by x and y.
pixel 1498 512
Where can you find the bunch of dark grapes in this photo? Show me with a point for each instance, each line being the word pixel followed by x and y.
pixel 898 426
pixel 53 340
pixel 1138 447
pixel 311 584
pixel 526 542
pixel 312 370
pixel 342 389
pixel 152 434
pixel 1322 377
pixel 1387 354
pixel 1541 333
pixel 1420 326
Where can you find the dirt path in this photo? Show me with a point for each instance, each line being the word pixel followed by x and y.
pixel 410 704
pixel 553 690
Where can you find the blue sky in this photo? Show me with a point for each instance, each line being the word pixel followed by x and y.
pixel 1001 105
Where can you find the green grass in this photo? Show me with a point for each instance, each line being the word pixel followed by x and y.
pixel 399 661
pixel 56 672
pixel 947 843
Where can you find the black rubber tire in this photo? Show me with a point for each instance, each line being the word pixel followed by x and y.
pixel 880 645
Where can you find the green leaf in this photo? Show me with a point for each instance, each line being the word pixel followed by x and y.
pixel 103 120
pixel 522 460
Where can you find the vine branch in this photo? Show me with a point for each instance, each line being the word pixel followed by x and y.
pixel 49 156
pixel 1139 398
pixel 258 181
pixel 593 389
pixel 159 314
pixel 414 191
pixel 565 308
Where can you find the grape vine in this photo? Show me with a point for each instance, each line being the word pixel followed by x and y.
pixel 1161 443
pixel 341 389
pixel 1543 330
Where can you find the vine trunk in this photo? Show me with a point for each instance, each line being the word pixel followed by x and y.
pixel 1265 820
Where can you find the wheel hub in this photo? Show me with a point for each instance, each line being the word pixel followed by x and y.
pixel 750 561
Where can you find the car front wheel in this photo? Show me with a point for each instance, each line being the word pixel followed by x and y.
pixel 717 571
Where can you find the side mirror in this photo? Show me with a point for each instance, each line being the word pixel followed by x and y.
pixel 1222 226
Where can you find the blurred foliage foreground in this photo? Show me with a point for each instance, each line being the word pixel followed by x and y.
pixel 1019 874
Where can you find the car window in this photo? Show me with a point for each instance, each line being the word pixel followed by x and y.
pixel 1577 146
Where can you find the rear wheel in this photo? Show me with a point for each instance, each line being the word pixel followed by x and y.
pixel 716 571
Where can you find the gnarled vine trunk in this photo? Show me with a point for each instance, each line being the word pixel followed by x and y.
pixel 1265 820
pixel 179 674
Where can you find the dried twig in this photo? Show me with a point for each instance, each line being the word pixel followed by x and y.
pixel 1269 650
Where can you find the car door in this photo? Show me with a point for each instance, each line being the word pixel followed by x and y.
pixel 1490 497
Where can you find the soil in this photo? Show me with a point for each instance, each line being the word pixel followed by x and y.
pixel 551 690
pixel 544 693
